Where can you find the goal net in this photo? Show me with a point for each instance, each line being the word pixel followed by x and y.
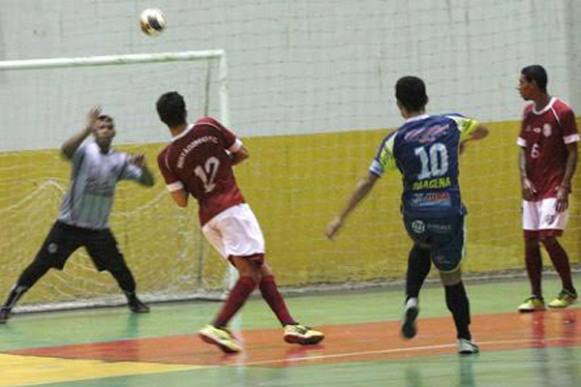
pixel 42 103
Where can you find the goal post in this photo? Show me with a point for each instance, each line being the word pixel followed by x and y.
pixel 45 99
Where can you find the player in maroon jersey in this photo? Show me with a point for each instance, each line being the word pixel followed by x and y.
pixel 199 162
pixel 547 159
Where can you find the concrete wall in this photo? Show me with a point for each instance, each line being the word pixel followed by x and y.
pixel 295 67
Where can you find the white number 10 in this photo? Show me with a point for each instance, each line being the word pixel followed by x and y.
pixel 436 164
pixel 208 173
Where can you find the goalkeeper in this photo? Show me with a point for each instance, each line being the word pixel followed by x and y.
pixel 84 213
pixel 425 149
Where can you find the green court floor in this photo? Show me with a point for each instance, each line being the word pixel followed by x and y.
pixel 536 351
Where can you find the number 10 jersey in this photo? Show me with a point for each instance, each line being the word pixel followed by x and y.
pixel 425 149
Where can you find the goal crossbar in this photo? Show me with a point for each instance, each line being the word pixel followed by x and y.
pixel 126 59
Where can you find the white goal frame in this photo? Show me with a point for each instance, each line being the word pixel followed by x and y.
pixel 131 59
pixel 117 60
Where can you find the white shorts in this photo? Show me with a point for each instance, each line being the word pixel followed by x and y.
pixel 542 215
pixel 235 232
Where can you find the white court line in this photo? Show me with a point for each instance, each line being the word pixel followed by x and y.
pixel 395 350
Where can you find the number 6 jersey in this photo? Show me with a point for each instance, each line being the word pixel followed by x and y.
pixel 544 135
pixel 197 161
pixel 425 149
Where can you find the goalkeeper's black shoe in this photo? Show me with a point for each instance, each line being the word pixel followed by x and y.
pixel 137 306
pixel 4 315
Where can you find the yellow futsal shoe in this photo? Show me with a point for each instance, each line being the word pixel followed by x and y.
pixel 564 299
pixel 532 304
pixel 220 337
pixel 300 334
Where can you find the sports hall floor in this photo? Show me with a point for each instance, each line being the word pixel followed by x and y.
pixel 111 347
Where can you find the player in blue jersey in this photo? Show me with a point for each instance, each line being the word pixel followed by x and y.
pixel 425 149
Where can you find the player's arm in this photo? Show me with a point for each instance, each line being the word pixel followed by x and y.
pixel 180 197
pixel 384 160
pixel 70 146
pixel 239 155
pixel 146 177
pixel 528 189
pixel 565 186
pixel 363 187
pixel 174 185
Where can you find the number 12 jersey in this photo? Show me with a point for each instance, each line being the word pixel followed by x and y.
pixel 198 161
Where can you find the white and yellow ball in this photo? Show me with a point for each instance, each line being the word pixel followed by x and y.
pixel 152 21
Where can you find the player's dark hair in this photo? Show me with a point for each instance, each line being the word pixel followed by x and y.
pixel 171 108
pixel 538 74
pixel 410 91
pixel 106 118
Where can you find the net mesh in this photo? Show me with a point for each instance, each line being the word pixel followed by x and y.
pixel 311 90
pixel 161 243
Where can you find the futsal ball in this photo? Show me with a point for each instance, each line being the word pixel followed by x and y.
pixel 152 21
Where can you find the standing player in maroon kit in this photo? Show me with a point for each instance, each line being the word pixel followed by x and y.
pixel 199 162
pixel 547 159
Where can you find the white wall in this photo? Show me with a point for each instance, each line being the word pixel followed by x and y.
pixel 295 66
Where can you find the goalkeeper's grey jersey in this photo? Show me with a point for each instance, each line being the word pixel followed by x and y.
pixel 94 174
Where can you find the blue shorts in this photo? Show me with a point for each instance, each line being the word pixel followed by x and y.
pixel 443 236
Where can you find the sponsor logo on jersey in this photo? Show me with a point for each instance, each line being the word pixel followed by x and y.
pixel 436 183
pixel 418 226
pixel 547 130
pixel 52 248
pixel 426 135
pixel 431 199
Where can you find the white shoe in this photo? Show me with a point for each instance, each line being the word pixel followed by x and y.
pixel 410 313
pixel 300 334
pixel 467 347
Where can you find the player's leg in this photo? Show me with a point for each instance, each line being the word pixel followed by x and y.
pixel 294 333
pixel 459 305
pixel 419 265
pixel 447 255
pixel 551 226
pixel 55 250
pixel 568 294
pixel 223 233
pixel 533 261
pixel 103 250
pixel 217 333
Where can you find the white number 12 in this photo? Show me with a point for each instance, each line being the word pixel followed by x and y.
pixel 208 173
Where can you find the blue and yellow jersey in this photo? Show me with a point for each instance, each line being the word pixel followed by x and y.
pixel 425 150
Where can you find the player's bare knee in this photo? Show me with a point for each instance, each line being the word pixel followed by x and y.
pixel 451 278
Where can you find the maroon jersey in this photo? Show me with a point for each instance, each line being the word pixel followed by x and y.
pixel 196 161
pixel 544 135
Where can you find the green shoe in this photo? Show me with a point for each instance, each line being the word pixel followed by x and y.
pixel 300 334
pixel 220 337
pixel 532 304
pixel 564 299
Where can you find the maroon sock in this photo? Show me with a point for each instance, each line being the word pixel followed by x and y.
pixel 274 299
pixel 561 263
pixel 237 297
pixel 534 266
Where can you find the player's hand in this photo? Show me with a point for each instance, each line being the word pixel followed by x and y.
pixel 333 227
pixel 528 190
pixel 93 116
pixel 138 160
pixel 562 198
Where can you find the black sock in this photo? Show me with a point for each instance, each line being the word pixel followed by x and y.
pixel 27 279
pixel 458 304
pixel 419 265
pixel 125 280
